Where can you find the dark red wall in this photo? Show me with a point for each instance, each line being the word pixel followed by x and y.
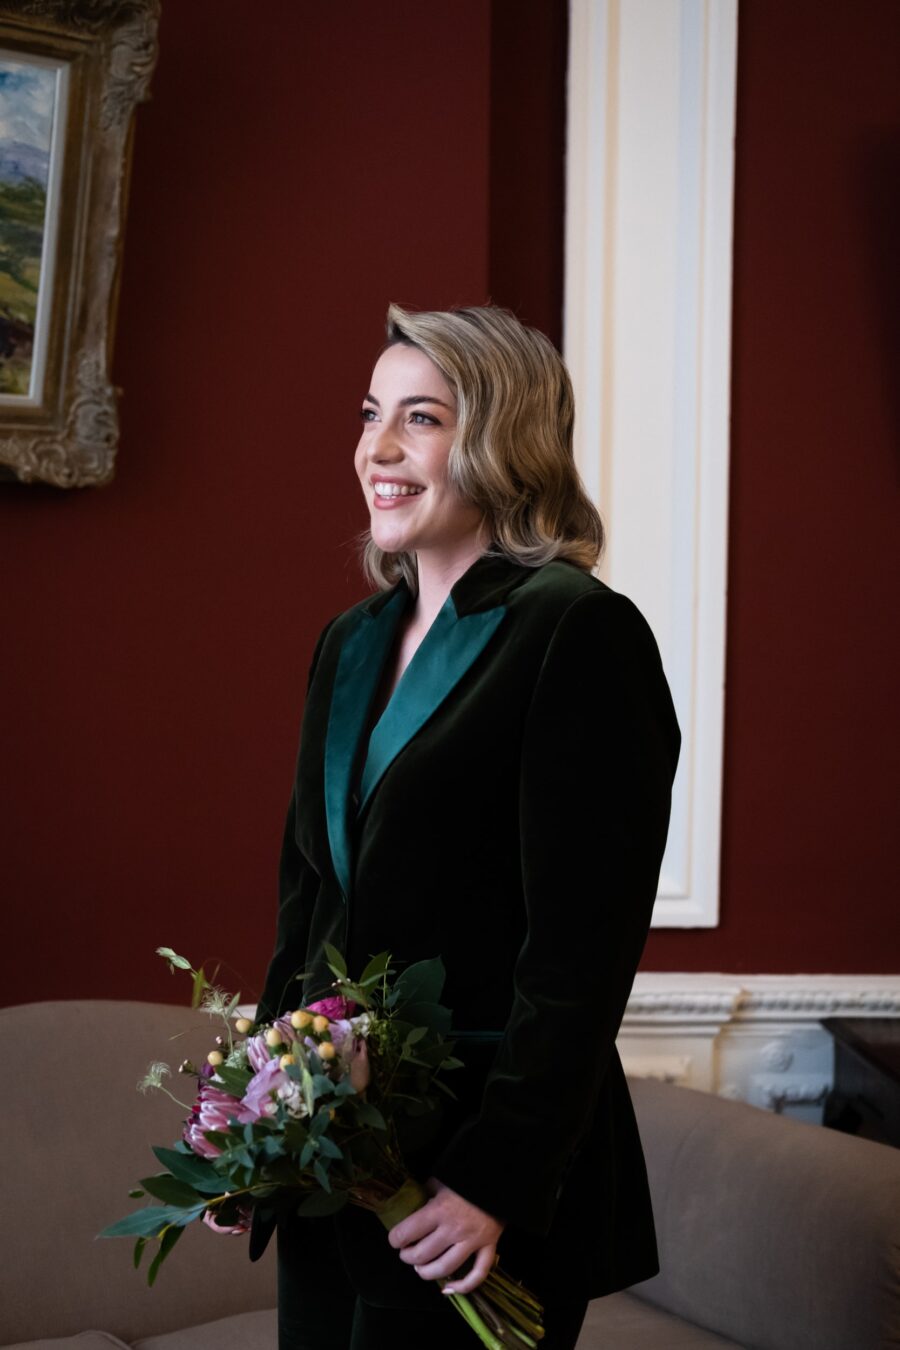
pixel 290 179
pixel 288 182
pixel 810 799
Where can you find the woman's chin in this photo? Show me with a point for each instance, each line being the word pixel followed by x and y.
pixel 391 540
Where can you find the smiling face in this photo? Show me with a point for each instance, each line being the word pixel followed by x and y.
pixel 409 424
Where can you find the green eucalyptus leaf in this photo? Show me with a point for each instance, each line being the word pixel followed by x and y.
pixel 335 960
pixel 148 1222
pixel 218 1138
pixel 173 960
pixel 233 1081
pixel 166 1242
pixel 321 1203
pixel 195 1171
pixel 199 986
pixel 295 1134
pixel 376 968
pixel 321 1175
pixel 329 1148
pixel 320 1122
pixel 354 992
pixel 139 1246
pixel 416 1035
pixel 135 1195
pixel 370 1115
pixel 307 1151
pixel 423 981
pixel 444 1088
pixel 309 1091
pixel 170 1190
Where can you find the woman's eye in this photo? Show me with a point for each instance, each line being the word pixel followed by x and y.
pixel 367 414
pixel 425 419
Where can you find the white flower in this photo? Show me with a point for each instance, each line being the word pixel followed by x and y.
pixel 238 1057
pixel 292 1098
pixel 156 1072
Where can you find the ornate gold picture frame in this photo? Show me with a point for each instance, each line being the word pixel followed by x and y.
pixel 71 75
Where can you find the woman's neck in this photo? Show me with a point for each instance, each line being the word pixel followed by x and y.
pixel 439 570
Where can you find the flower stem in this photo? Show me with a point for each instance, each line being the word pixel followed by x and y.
pixel 465 1306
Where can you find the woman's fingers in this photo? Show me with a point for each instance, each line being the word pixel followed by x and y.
pixel 484 1260
pixel 443 1264
pixel 431 1247
pixel 414 1228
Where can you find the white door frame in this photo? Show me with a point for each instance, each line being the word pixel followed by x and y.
pixel 649 187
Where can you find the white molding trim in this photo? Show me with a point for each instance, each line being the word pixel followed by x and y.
pixel 751 1038
pixel 649 191
pixel 701 997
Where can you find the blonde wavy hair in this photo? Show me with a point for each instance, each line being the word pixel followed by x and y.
pixel 512 456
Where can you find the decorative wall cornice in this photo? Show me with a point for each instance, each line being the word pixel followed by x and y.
pixel 708 998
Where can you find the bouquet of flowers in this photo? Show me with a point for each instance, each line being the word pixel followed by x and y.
pixel 312 1112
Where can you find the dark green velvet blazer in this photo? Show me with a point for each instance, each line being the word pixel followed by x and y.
pixel 508 813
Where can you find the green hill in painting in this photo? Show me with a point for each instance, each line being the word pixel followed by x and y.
pixel 22 212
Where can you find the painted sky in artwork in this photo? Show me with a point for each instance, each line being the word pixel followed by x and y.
pixel 26 119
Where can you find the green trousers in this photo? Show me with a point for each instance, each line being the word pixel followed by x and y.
pixel 319 1309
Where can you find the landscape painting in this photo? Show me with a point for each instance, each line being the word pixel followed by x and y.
pixel 28 94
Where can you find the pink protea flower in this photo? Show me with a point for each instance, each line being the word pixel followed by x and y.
pixel 333 1008
pixel 212 1111
pixel 242 1225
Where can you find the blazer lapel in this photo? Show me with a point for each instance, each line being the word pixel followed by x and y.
pixel 460 632
pixel 441 659
pixel 361 661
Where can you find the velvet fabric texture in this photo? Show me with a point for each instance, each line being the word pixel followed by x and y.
pixel 511 817
pixel 318 1306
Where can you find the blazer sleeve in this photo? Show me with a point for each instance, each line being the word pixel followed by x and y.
pixel 298 886
pixel 600 748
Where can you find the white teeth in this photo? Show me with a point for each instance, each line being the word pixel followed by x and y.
pixel 396 490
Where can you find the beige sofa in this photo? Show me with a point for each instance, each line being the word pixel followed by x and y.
pixel 773 1234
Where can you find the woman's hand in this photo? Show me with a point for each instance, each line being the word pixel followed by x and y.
pixel 438 1238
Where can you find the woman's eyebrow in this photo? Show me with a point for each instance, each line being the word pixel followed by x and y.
pixel 410 400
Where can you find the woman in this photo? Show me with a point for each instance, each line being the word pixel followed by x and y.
pixel 485 771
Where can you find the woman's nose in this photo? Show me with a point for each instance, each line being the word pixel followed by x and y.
pixel 383 444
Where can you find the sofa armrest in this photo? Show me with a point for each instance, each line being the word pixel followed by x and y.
pixel 775 1233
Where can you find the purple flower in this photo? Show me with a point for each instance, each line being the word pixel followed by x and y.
pixel 258 1101
pixel 259 1053
pixel 341 1035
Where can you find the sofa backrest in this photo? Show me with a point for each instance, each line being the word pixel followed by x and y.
pixel 76 1139
pixel 777 1234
